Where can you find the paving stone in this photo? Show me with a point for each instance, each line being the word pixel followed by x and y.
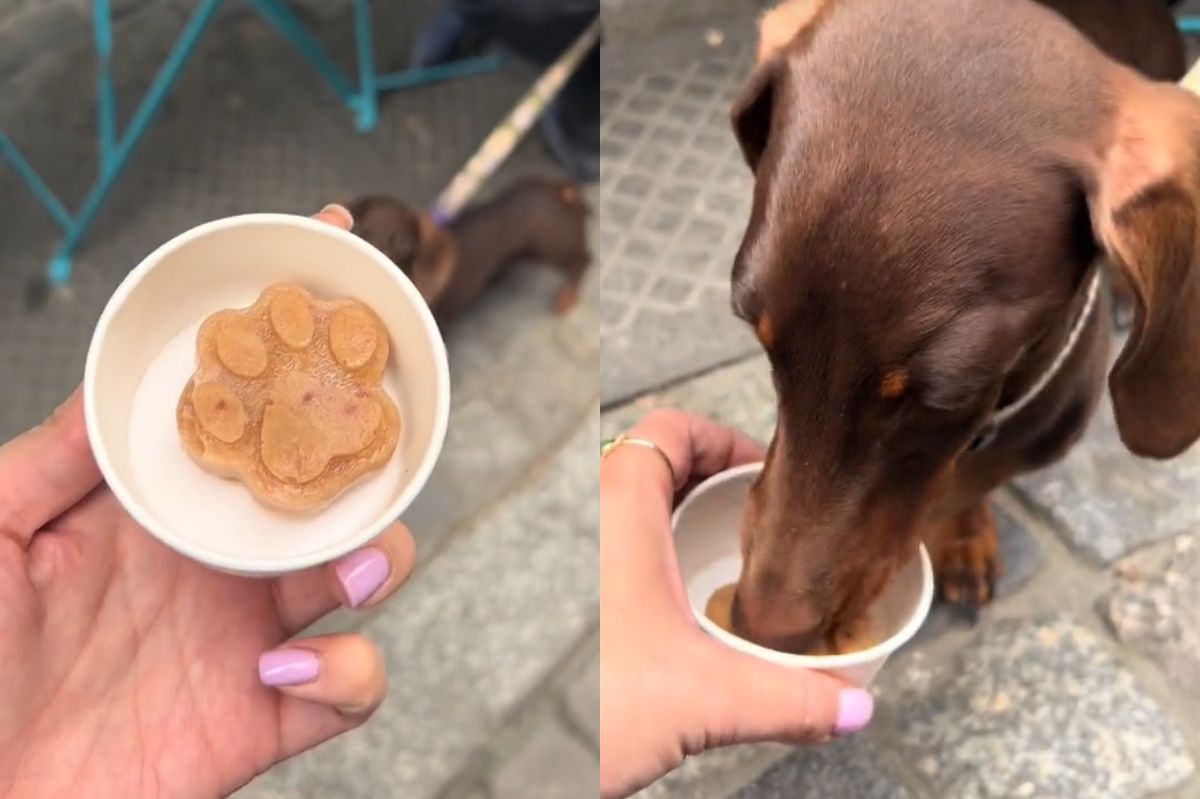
pixel 484 453
pixel 661 19
pixel 552 764
pixel 849 768
pixel 1022 559
pixel 583 702
pixel 476 630
pixel 1106 502
pixel 1039 707
pixel 740 395
pixel 29 31
pixel 543 388
pixel 1155 609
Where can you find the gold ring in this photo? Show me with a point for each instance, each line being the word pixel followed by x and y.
pixel 611 444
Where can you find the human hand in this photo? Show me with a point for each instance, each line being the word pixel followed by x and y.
pixel 128 671
pixel 667 689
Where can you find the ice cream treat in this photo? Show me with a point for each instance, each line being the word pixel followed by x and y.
pixel 286 397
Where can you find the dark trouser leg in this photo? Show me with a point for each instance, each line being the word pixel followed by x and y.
pixel 539 31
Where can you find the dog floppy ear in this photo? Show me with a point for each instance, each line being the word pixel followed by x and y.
pixel 751 114
pixel 435 261
pixel 1144 195
pixel 777 28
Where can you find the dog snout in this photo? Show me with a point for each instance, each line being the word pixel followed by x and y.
pixel 762 615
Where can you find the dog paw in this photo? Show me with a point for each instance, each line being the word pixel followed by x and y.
pixel 967 565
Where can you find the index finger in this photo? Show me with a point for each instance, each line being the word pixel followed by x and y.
pixel 695 445
pixel 336 215
pixel 45 471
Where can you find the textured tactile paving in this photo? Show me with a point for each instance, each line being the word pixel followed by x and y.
pixel 673 202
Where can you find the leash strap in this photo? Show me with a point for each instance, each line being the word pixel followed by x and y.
pixel 503 140
pixel 1191 81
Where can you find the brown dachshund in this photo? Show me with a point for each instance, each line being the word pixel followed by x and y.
pixel 935 183
pixel 538 220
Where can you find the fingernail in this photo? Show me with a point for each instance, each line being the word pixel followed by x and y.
pixel 362 573
pixel 288 667
pixel 339 210
pixel 855 707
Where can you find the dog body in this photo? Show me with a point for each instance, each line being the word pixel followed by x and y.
pixel 935 183
pixel 539 220
pixel 535 220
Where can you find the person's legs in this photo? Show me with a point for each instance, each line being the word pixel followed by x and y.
pixel 539 31
pixel 571 125
pixel 441 39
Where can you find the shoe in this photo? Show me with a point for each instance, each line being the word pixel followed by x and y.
pixel 440 39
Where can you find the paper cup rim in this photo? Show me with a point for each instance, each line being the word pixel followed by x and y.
pixel 285 563
pixel 878 652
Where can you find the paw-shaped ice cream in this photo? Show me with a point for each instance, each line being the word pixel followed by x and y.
pixel 286 397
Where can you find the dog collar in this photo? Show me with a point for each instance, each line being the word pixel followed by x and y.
pixel 1002 415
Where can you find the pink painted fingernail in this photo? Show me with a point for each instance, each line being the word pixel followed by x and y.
pixel 342 211
pixel 855 707
pixel 288 667
pixel 362 573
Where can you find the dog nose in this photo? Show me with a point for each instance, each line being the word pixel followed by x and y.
pixel 774 621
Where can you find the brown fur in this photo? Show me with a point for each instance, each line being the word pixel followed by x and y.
pixel 534 219
pixel 934 182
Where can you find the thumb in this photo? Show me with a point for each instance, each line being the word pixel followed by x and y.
pixel 762 701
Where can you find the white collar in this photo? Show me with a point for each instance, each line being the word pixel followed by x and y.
pixel 1002 415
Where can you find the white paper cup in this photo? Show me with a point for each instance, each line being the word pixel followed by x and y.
pixel 706 526
pixel 143 352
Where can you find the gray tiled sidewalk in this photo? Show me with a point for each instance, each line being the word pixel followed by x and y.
pixel 673 200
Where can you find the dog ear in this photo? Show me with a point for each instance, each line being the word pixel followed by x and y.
pixel 751 114
pixel 1144 195
pixel 779 26
pixel 436 260
pixel 777 29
